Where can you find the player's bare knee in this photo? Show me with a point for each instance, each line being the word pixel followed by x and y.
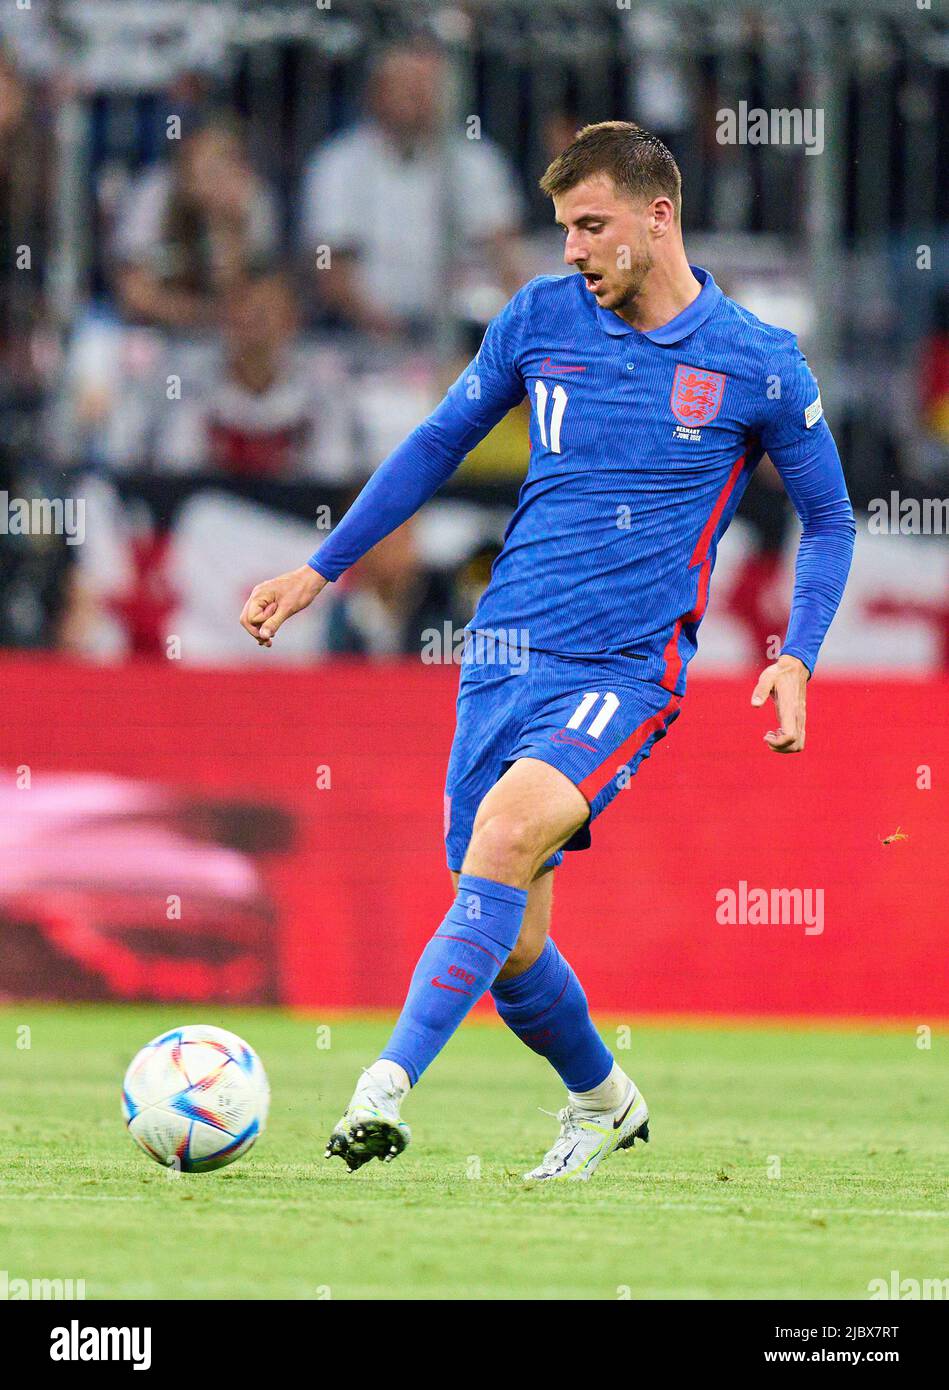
pixel 503 847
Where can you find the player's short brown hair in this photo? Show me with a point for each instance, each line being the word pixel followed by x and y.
pixel 637 161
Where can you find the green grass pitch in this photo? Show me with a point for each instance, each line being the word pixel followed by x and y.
pixel 848 1123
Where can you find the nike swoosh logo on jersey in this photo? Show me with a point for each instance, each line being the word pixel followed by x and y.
pixel 454 988
pixel 553 368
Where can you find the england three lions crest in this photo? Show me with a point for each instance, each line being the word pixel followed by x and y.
pixel 696 395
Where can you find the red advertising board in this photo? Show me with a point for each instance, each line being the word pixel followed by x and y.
pixel 259 836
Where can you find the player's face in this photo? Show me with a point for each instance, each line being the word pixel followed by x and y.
pixel 607 239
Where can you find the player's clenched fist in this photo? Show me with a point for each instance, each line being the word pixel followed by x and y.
pixel 276 600
pixel 786 683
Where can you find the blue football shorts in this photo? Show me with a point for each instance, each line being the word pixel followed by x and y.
pixel 595 720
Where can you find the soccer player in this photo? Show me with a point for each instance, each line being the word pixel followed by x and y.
pixel 653 398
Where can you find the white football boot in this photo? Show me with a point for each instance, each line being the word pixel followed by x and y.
pixel 587 1137
pixel 371 1126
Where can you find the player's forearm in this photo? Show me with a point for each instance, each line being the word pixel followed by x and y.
pixel 479 398
pixel 399 486
pixel 812 474
pixel 823 563
pixel 485 391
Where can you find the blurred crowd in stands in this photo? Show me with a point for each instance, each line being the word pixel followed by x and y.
pixel 240 361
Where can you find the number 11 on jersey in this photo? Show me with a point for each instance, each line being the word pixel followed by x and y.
pixel 559 396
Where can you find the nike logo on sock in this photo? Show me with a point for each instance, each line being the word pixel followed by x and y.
pixel 454 988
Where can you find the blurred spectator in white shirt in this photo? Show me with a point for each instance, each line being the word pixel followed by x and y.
pixel 374 197
pixel 190 227
pixel 263 410
pixel 255 401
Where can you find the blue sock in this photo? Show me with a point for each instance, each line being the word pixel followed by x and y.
pixel 456 968
pixel 547 1009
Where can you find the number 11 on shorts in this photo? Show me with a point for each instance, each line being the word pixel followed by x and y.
pixel 610 706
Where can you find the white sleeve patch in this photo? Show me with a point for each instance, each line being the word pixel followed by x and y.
pixel 813 412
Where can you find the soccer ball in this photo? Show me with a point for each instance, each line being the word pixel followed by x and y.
pixel 195 1098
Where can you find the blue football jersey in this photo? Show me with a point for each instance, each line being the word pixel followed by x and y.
pixel 641 445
